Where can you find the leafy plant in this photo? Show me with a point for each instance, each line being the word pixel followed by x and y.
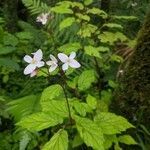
pixel 75 106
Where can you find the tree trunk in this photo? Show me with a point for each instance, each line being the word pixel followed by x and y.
pixel 133 97
pixel 10 15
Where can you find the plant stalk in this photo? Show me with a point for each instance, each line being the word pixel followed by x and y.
pixel 67 101
pixel 63 85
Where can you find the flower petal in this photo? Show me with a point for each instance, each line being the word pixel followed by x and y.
pixel 65 66
pixel 29 69
pixel 34 73
pixel 40 64
pixel 49 63
pixel 38 19
pixel 27 59
pixel 53 67
pixel 44 21
pixel 74 64
pixel 43 18
pixel 53 58
pixel 38 55
pixel 72 55
pixel 63 57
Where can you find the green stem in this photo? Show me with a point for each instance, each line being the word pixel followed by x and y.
pixel 67 101
pixel 99 75
pixel 63 85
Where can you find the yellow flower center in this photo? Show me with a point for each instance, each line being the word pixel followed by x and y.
pixel 33 61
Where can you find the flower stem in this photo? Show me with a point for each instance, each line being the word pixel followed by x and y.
pixel 67 101
pixel 63 85
pixel 99 75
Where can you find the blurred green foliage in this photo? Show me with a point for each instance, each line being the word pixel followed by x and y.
pixel 97 36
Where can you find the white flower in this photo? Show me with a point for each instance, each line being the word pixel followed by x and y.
pixel 121 72
pixel 34 63
pixel 34 73
pixel 43 18
pixel 68 61
pixel 52 63
pixel 134 4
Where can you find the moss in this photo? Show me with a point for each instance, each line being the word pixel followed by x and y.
pixel 133 97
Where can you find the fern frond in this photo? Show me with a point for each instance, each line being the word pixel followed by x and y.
pixel 25 138
pixel 24 141
pixel 35 6
pixel 23 106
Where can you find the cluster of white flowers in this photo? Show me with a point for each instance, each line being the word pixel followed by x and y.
pixel 36 62
pixel 43 18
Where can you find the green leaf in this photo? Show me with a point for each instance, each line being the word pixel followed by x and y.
pixel 77 4
pixel 69 71
pixel 145 129
pixel 127 139
pixel 112 84
pixel 58 142
pixel 2 20
pixel 90 132
pixel 80 107
pixel 73 83
pixel 110 37
pixel 24 35
pixel 10 39
pixel 86 79
pixel 43 72
pixel 7 62
pixel 58 107
pixel 6 50
pixel 40 121
pixel 111 123
pixel 106 96
pixel 109 140
pixel 25 106
pixel 116 58
pixel 61 9
pixel 24 141
pixel 97 11
pixel 113 25
pixel 66 22
pixel 5 78
pixel 91 101
pixel 87 30
pixel 127 18
pixel 88 2
pixel 66 4
pixel 101 106
pixel 83 17
pixel 117 147
pixel 51 92
pixel 132 43
pixel 70 47
pixel 103 49
pixel 77 141
pixel 92 51
pixel 36 6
